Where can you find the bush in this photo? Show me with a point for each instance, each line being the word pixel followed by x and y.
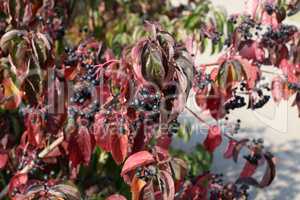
pixel 91 92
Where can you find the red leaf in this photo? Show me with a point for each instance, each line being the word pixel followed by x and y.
pixel 74 152
pixel 3 159
pixel 288 69
pixel 250 50
pixel 100 132
pixel 268 176
pixel 213 139
pixel 33 129
pixel 214 74
pixel 248 170
pixel 228 153
pixel 237 148
pixel 70 72
pixel 164 141
pixel 138 159
pixel 252 72
pixel 214 102
pixel 116 197
pixel 169 187
pixel 270 172
pixel 270 19
pixel 17 181
pixel 119 147
pixel 84 144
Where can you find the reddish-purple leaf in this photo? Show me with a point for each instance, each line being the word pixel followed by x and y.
pixel 74 152
pixel 84 144
pixel 270 171
pixel 228 153
pixel 136 54
pixel 169 187
pixel 213 139
pixel 237 148
pixel 248 170
pixel 119 147
pixel 268 176
pixel 138 159
pixel 3 159
pixel 147 192
pixel 17 181
pixel 102 136
pixel 250 50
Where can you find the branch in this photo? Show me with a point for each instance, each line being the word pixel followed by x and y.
pixel 197 116
pixel 30 165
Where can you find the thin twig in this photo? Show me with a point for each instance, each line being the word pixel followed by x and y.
pixel 30 165
pixel 197 116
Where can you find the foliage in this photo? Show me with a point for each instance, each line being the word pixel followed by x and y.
pixel 91 92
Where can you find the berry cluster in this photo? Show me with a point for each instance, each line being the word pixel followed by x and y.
pixel 245 28
pixel 81 95
pixel 281 35
pixel 235 102
pixel 261 102
pixel 146 173
pixel 90 75
pixel 146 100
pixel 87 113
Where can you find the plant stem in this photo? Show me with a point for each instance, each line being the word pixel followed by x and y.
pixel 197 116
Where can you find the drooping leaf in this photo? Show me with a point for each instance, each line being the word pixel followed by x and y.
pixel 268 176
pixel 17 181
pixel 85 144
pixel 237 148
pixel 179 168
pixel 248 170
pixel 9 36
pixel 3 159
pixel 119 147
pixel 138 159
pixel 213 139
pixel 228 153
pixel 148 192
pixel 168 191
pixel 152 65
pixel 101 133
